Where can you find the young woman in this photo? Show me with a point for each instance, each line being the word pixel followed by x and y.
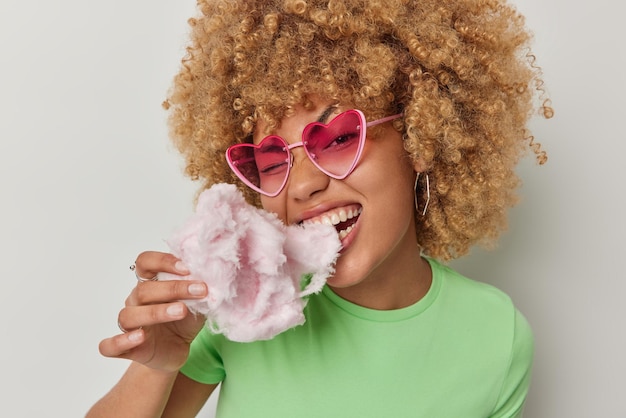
pixel 404 121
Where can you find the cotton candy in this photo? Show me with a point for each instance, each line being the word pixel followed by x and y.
pixel 258 270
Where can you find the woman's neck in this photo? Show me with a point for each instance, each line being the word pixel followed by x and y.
pixel 391 287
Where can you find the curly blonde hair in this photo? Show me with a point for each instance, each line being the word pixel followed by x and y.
pixel 461 71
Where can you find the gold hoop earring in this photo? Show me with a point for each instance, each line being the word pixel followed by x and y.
pixel 427 194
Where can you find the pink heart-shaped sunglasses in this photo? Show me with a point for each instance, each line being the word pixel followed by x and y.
pixel 334 148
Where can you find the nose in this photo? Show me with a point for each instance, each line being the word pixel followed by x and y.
pixel 305 179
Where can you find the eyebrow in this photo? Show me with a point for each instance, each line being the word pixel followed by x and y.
pixel 322 119
pixel 324 116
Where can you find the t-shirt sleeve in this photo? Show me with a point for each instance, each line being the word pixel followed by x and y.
pixel 517 380
pixel 204 363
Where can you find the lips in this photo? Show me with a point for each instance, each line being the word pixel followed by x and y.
pixel 343 219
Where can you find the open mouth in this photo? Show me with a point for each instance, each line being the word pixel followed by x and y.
pixel 345 227
pixel 343 219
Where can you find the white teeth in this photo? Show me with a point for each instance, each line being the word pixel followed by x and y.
pixel 345 232
pixel 337 217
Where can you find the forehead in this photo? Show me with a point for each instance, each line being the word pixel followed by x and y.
pixel 291 126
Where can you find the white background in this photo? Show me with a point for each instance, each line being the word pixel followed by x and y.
pixel 88 179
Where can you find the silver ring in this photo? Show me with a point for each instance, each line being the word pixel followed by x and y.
pixel 133 267
pixel 124 330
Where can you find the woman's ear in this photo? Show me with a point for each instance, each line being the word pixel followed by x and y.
pixel 419 165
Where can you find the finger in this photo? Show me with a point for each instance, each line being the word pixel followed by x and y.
pixel 136 317
pixel 149 263
pixel 148 293
pixel 118 345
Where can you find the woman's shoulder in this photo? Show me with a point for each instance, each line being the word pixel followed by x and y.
pixel 482 304
pixel 469 290
pixel 487 318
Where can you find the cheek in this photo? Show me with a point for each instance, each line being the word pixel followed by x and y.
pixel 387 168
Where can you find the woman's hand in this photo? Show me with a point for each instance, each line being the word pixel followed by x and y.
pixel 159 327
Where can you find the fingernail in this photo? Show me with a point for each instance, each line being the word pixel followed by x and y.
pixel 134 336
pixel 175 310
pixel 181 268
pixel 196 289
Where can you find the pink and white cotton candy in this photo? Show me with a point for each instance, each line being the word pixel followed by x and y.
pixel 258 270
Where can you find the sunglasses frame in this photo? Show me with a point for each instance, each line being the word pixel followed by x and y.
pixel 288 147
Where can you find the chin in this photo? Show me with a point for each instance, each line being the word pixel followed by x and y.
pixel 342 281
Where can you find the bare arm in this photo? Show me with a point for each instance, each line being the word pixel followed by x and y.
pixel 160 330
pixel 145 392
pixel 187 397
pixel 141 392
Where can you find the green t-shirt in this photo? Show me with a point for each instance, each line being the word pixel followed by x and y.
pixel 462 351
